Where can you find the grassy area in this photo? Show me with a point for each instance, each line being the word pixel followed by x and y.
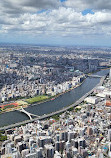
pixel 36 99
pixel 57 116
pixel 3 137
pixel 71 109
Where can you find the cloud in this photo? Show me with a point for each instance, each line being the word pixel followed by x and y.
pixel 93 4
pixel 58 19
pixel 62 21
pixel 23 6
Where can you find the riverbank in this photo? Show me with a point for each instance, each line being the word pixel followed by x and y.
pixel 51 98
pixel 49 107
pixel 34 102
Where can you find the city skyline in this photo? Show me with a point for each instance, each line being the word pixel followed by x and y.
pixel 59 22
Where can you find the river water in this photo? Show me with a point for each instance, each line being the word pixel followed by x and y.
pixel 53 105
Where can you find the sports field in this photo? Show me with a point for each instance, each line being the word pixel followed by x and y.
pixel 36 99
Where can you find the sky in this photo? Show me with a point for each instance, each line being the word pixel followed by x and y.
pixel 56 22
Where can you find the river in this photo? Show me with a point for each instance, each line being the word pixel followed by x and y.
pixel 53 105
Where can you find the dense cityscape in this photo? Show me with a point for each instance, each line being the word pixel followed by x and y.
pixel 29 71
pixel 82 131
pixel 55 79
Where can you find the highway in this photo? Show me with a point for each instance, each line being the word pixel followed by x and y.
pixel 57 112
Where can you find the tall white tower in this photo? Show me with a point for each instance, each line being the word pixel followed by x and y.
pixel 110 74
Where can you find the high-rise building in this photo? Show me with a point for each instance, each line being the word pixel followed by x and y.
pixel 25 152
pixel 31 155
pixel 110 74
pixel 49 151
pixel 108 100
pixel 109 134
pixel 89 131
pixel 109 153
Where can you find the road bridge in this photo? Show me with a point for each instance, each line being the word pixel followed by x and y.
pixel 96 76
pixel 28 113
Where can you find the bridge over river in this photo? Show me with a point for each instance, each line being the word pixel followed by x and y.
pixel 96 76
pixel 27 113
